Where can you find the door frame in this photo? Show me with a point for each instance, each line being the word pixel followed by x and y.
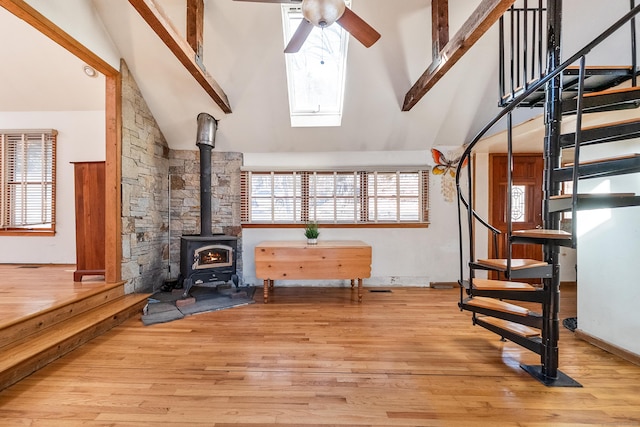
pixel 490 190
pixel 113 125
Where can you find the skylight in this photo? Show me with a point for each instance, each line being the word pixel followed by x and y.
pixel 316 74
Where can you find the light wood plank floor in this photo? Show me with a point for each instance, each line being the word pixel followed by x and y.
pixel 314 356
pixel 32 288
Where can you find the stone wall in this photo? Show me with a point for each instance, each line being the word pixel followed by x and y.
pixel 145 168
pixel 184 170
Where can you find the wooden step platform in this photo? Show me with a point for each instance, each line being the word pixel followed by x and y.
pixel 500 264
pixel 497 305
pixel 501 285
pixel 15 329
pixel 515 328
pixel 32 343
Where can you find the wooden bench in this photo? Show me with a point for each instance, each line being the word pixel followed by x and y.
pixel 297 260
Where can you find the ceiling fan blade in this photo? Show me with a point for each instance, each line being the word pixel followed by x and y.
pixel 273 1
pixel 299 37
pixel 359 29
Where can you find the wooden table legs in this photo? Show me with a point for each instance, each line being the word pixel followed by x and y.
pixel 268 286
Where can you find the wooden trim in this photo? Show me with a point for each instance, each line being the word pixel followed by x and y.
pixel 32 232
pixel 31 16
pixel 113 119
pixel 608 347
pixel 113 179
pixel 485 15
pixel 321 225
pixel 153 14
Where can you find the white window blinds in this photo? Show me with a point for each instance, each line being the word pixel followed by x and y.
pixel 27 179
pixel 338 197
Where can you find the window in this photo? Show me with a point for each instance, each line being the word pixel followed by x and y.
pixel 27 181
pixel 316 74
pixel 335 197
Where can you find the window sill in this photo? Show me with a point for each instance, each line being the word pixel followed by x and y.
pixel 321 225
pixel 32 232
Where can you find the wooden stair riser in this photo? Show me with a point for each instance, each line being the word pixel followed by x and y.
pixel 532 344
pixel 20 361
pixel 20 331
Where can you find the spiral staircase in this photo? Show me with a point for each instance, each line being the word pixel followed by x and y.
pixel 570 88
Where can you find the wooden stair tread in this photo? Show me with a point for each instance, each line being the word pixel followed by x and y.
pixel 609 124
pixel 501 285
pixel 86 295
pixel 592 195
pixel 51 337
pixel 516 328
pixel 602 67
pixel 516 264
pixel 543 234
pixel 497 305
pixel 613 91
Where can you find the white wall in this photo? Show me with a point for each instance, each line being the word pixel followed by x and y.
pixel 80 20
pixel 81 137
pixel 608 253
pixel 401 256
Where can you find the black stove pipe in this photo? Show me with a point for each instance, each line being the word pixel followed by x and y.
pixel 206 141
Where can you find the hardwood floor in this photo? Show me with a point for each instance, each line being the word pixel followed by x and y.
pixel 314 356
pixel 28 289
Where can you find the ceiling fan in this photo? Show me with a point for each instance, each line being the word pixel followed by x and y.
pixel 322 13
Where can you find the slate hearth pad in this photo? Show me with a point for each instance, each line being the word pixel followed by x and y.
pixel 161 307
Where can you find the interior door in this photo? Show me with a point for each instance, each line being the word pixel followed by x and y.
pixel 526 201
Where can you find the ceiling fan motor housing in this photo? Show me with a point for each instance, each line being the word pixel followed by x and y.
pixel 322 13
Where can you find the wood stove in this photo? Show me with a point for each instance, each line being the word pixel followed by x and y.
pixel 207 257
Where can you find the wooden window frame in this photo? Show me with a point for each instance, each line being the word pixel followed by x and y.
pixel 363 195
pixel 47 136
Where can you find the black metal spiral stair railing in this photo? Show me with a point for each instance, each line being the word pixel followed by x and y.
pixel 539 332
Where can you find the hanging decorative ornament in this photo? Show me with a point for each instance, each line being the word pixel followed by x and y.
pixel 447 168
pixel 322 13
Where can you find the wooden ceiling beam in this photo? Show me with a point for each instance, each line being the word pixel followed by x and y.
pixel 155 17
pixel 439 26
pixel 195 22
pixel 485 15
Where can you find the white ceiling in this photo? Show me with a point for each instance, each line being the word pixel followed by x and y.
pixel 243 46
pixel 39 75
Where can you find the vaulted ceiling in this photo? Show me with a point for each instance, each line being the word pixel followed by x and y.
pixel 243 51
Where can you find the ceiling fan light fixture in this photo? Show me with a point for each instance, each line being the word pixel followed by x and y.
pixel 322 13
